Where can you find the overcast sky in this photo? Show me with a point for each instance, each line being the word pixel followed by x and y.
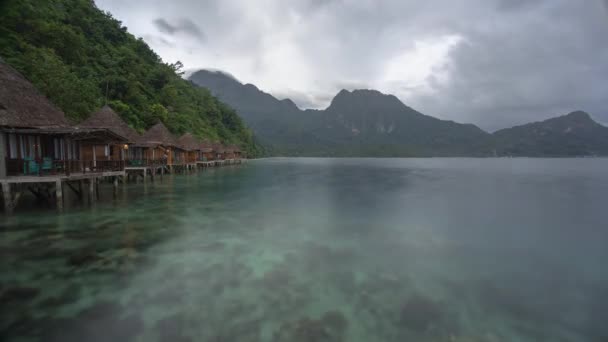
pixel 495 63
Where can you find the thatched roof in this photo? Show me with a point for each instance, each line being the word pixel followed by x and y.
pixel 206 146
pixel 218 148
pixel 189 142
pixel 91 135
pixel 109 119
pixel 235 148
pixel 21 105
pixel 158 135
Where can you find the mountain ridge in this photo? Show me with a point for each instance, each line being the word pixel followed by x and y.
pixel 367 122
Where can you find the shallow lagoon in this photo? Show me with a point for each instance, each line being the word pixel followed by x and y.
pixel 321 250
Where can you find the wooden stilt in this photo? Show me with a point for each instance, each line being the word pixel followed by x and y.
pixel 92 190
pixel 59 194
pixel 8 198
pixel 115 182
pixel 16 197
pixel 97 188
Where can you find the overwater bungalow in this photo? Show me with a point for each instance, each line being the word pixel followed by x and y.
pixel 108 119
pixel 136 155
pixel 236 152
pixel 39 148
pixel 207 151
pixel 228 154
pixel 218 153
pixel 160 144
pixel 232 154
pixel 206 155
pixel 192 149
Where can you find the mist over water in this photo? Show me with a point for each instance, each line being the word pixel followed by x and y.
pixel 311 249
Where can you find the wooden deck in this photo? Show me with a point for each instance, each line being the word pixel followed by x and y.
pixel 50 187
pixel 59 177
pixel 208 163
pixel 136 172
pixel 221 162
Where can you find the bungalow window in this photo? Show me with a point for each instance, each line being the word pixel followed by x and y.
pixel 56 148
pixel 38 147
pixel 12 143
pixel 70 151
pixel 74 153
pixel 31 146
pixel 59 148
pixel 22 146
pixel 106 150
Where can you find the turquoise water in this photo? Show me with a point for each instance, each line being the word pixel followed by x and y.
pixel 451 250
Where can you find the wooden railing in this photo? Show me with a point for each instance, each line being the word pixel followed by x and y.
pixel 48 166
pixel 145 162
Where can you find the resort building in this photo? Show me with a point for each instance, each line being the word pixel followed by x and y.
pixel 108 119
pixel 161 145
pixel 35 137
pixel 236 152
pixel 228 154
pixel 40 151
pixel 218 151
pixel 192 147
pixel 207 151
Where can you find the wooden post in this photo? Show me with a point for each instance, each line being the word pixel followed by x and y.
pixel 94 156
pixel 91 190
pixel 59 194
pixel 144 173
pixel 97 187
pixel 8 198
pixel 115 186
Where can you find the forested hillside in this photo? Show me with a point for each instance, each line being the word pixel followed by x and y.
pixel 574 134
pixel 81 57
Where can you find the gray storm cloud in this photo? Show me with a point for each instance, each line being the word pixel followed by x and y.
pixel 494 63
pixel 180 25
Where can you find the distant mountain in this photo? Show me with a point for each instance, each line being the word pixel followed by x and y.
pixel 574 134
pixel 374 119
pixel 369 123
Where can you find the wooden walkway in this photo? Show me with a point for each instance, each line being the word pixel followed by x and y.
pixel 49 187
pixel 135 172
pixel 209 163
